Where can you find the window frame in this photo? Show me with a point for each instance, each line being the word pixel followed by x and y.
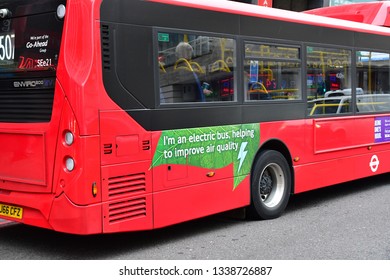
pixel 356 50
pixel 272 43
pixel 236 77
pixel 352 67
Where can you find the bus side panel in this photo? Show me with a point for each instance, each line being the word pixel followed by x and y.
pixel 122 139
pixel 341 134
pixel 128 214
pixel 170 176
pixel 196 201
pixel 332 151
pixel 127 181
pixel 323 173
pixel 127 198
pixel 343 149
pixel 330 172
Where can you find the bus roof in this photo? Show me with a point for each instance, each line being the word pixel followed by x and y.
pixel 278 14
pixel 375 13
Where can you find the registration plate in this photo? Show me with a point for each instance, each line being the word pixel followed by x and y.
pixel 11 211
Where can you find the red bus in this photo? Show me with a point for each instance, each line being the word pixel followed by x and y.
pixel 134 115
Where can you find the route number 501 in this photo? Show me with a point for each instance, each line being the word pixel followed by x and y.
pixel 7 47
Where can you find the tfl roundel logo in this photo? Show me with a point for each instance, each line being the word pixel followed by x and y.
pixel 374 163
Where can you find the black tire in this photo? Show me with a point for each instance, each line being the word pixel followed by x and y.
pixel 270 186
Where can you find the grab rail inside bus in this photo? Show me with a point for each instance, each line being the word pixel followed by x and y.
pixel 262 90
pixel 220 65
pixel 162 68
pixel 188 66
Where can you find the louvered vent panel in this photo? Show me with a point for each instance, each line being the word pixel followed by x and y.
pixel 107 148
pixel 131 184
pixel 106 47
pixel 26 105
pixel 146 145
pixel 127 210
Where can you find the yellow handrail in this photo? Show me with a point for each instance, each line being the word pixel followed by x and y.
pixel 188 65
pixel 216 66
pixel 162 68
pixel 263 89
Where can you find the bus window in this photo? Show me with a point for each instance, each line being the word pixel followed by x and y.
pixel 373 103
pixel 372 70
pixel 195 68
pixel 29 44
pixel 328 72
pixel 272 72
pixel 329 105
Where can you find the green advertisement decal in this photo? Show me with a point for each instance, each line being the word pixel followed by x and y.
pixel 210 147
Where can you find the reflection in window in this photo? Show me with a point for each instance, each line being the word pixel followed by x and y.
pixel 373 102
pixel 272 72
pixel 328 77
pixel 329 105
pixel 373 81
pixel 196 68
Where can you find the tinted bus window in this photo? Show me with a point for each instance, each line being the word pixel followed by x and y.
pixel 372 103
pixel 328 72
pixel 195 68
pixel 329 105
pixel 272 72
pixel 328 76
pixel 373 81
pixel 30 43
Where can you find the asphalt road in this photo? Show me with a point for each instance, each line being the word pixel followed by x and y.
pixel 344 222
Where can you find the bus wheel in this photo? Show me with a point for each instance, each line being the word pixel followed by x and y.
pixel 270 186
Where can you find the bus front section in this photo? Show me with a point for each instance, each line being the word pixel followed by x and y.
pixel 41 149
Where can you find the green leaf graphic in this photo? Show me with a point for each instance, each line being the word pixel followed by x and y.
pixel 210 147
